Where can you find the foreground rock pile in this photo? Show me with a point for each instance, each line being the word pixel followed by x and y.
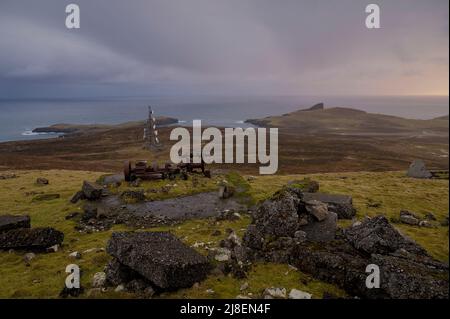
pixel 16 233
pixel 286 220
pixel 153 260
pixel 406 270
pixel 302 232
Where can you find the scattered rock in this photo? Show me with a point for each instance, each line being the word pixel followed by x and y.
pixel 72 215
pixel 30 238
pixel 114 180
pixel 300 234
pixel 159 257
pixel 28 258
pixel 148 292
pixel 430 216
pixel 8 176
pixel 417 169
pixel 222 254
pixel 92 191
pixel 409 218
pixel 318 209
pixel 41 181
pixel 356 224
pixel 226 191
pixel 77 197
pixel 274 293
pixel 45 197
pixel 53 249
pixel 426 224
pixel 342 205
pixel 228 214
pixel 305 185
pixel 8 222
pixel 244 286
pixel 90 212
pixel 99 280
pixel 298 294
pixel 231 241
pixel 119 288
pixel 75 255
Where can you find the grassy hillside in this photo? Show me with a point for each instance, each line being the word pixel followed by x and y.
pixel 340 120
pixel 45 277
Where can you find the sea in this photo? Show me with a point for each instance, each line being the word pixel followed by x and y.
pixel 18 118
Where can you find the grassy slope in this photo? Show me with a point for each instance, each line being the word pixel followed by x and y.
pixel 340 119
pixel 45 277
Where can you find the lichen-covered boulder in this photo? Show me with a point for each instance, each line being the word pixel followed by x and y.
pixel 377 236
pixel 159 257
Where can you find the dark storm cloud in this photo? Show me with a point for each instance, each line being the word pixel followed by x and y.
pixel 212 46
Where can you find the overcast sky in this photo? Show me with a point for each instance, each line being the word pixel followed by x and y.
pixel 236 47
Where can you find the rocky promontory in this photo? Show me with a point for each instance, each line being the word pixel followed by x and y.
pixel 64 128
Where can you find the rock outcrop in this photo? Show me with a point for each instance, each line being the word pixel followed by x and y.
pixel 285 220
pixel 406 270
pixel 300 230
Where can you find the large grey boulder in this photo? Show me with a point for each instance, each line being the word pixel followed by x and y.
pixel 341 205
pixel 159 257
pixel 8 222
pixel 417 169
pixel 30 238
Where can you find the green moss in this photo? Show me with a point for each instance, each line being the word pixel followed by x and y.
pixel 164 189
pixel 241 186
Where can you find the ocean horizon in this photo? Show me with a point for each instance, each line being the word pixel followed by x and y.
pixel 21 116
